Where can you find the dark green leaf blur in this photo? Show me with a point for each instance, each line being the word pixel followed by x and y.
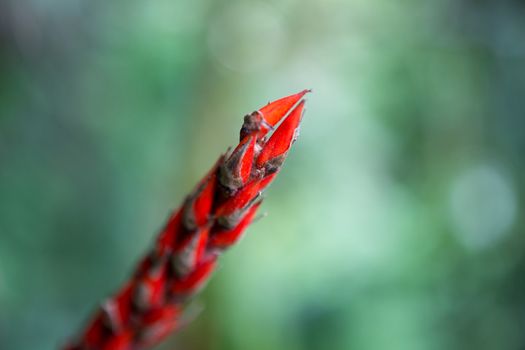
pixel 396 223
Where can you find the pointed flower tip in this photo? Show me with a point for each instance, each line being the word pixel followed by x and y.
pixel 276 110
pixel 291 123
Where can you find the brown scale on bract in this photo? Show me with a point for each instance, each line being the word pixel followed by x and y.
pixel 188 256
pixel 235 171
pixel 253 124
pixel 212 218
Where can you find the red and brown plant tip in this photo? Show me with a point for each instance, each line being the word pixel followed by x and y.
pixel 211 219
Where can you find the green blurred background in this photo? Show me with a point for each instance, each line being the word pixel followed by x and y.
pixel 397 220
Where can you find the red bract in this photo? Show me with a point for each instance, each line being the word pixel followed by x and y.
pixel 224 238
pixel 281 140
pixel 264 119
pixel 235 171
pixel 213 217
pixel 118 309
pixel 275 111
pixel 182 288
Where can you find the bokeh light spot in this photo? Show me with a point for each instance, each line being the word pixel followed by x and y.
pixel 483 206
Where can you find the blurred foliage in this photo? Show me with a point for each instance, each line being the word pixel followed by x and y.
pixel 397 221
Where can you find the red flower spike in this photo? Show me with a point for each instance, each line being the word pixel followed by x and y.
pixel 226 238
pixel 212 218
pixel 195 280
pixel 272 155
